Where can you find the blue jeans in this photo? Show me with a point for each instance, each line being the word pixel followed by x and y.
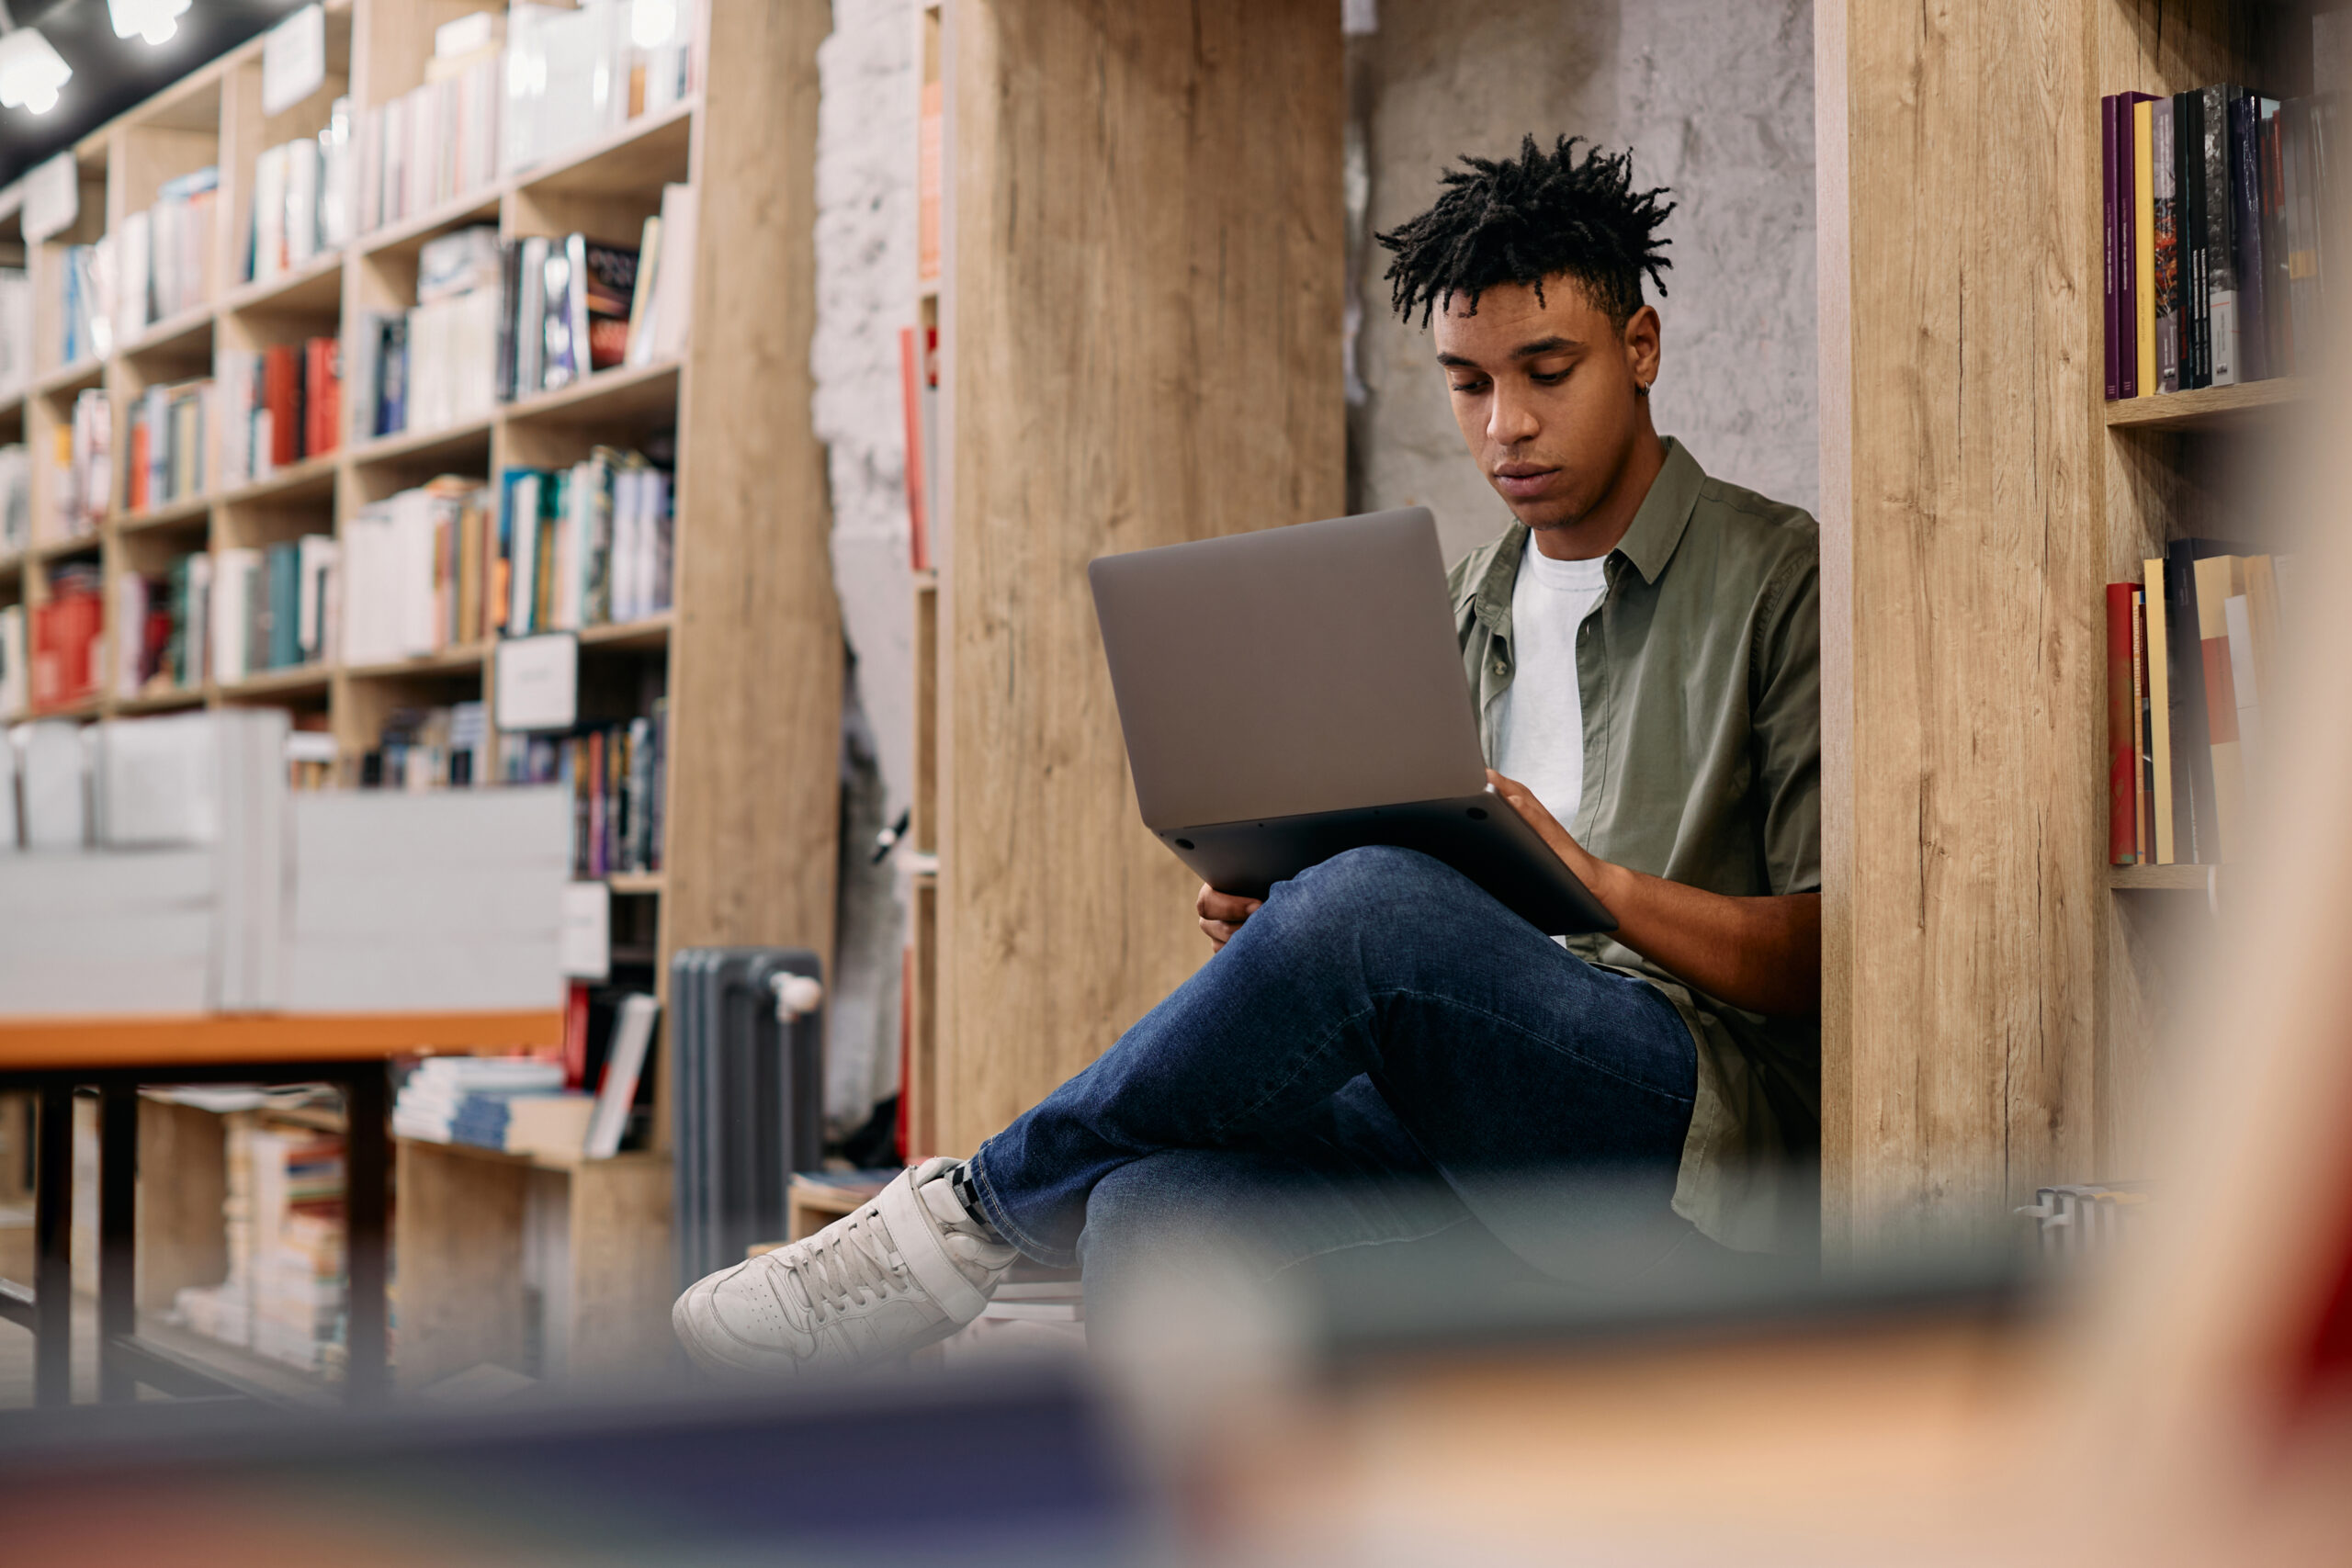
pixel 1381 1054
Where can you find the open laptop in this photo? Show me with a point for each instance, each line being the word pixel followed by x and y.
pixel 1292 694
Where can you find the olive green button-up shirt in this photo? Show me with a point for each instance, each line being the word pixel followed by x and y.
pixel 1700 675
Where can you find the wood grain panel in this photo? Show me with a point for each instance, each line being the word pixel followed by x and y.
pixel 458 1233
pixel 1959 1072
pixel 756 644
pixel 621 1281
pixel 1142 332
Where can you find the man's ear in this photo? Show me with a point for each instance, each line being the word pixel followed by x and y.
pixel 1642 346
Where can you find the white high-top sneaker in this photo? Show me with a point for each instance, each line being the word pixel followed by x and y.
pixel 907 1270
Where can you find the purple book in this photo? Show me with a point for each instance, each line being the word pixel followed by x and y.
pixel 2108 163
pixel 2124 193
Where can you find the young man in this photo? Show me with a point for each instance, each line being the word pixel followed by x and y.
pixel 1381 1053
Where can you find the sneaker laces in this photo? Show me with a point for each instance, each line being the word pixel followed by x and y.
pixel 836 1270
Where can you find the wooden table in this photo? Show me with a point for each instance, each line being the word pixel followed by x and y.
pixel 56 1056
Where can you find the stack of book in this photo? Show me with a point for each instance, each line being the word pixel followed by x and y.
pixel 439 142
pixel 83 468
pixel 273 608
pixel 417 564
pixel 581 547
pixel 565 311
pixel 553 1125
pixel 83 281
pixel 615 773
pixel 429 748
pixel 167 441
pixel 284 1296
pixel 68 632
pixel 165 253
pixel 576 74
pixel 2193 653
pixel 16 330
pixel 15 500
pixel 433 365
pixel 2213 208
pixel 189 589
pixel 279 406
pixel 430 1099
pixel 302 199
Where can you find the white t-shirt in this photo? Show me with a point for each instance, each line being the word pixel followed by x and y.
pixel 1540 727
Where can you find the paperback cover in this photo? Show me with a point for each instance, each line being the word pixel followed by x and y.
pixel 2222 356
pixel 2164 223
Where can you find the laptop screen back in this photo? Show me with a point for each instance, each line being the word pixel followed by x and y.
pixel 1312 668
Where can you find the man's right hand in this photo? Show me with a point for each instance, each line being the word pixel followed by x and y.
pixel 1222 914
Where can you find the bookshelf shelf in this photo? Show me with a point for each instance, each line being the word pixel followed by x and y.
pixel 651 633
pixel 2161 878
pixel 313 288
pixel 162 702
pixel 647 152
pixel 81 708
pixel 294 679
pixel 2207 408
pixel 411 234
pixel 635 882
pixel 67 379
pixel 313 477
pixel 190 330
pixel 622 393
pixel 47 551
pixel 192 509
pixel 447 660
pixel 450 441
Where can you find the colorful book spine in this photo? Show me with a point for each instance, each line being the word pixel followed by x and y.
pixel 2163 228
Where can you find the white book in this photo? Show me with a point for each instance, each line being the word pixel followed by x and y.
pixel 138 254
pixel 314 569
pixel 303 171
pixel 198 632
pixel 394 162
pixel 269 213
pixel 622 574
pixel 131 629
pixel 2244 693
pixel 16 681
pixel 673 291
pixel 418 631
pixel 623 1064
pixel 232 577
pixel 524 542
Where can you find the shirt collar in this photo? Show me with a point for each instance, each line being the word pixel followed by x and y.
pixel 1649 543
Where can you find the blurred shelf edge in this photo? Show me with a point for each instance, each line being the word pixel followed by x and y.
pixel 2206 408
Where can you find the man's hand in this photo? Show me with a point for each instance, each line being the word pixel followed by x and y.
pixel 1222 914
pixel 1761 954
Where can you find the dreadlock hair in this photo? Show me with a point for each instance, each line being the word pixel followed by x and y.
pixel 1521 221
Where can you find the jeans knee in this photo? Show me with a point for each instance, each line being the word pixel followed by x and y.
pixel 1369 880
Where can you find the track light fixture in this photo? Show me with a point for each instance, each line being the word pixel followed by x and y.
pixel 30 69
pixel 153 20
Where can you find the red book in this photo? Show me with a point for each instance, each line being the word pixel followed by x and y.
pixel 135 488
pixel 575 1036
pixel 281 391
pixel 2123 796
pixel 322 395
pixel 910 386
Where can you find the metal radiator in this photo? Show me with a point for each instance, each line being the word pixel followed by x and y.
pixel 747 1095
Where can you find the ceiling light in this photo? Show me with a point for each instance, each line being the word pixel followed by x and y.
pixel 153 20
pixel 31 72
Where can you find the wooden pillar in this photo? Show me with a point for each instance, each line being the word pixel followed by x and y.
pixel 756 653
pixel 1963 558
pixel 1142 338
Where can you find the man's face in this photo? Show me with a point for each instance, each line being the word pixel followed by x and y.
pixel 1544 392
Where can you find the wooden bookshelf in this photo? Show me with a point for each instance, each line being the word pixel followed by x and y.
pixel 1135 158
pixel 1993 989
pixel 750 657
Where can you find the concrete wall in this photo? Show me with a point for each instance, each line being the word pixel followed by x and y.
pixel 1715 99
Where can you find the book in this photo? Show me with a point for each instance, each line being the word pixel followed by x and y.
pixel 2122 826
pixel 321 400
pixel 2143 801
pixel 2221 362
pixel 2216 578
pixel 2245 112
pixel 2112 172
pixel 624 1066
pixel 603 285
pixel 2131 175
pixel 2165 819
pixel 2188 182
pixel 640 302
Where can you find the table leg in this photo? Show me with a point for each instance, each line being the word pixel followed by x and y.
pixel 52 1246
pixel 367 1153
pixel 118 1219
